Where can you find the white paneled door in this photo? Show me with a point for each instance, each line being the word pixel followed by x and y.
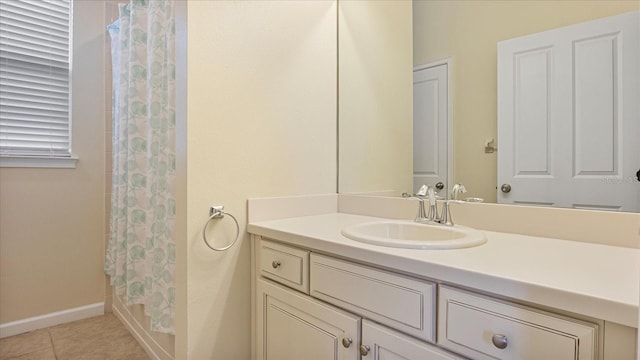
pixel 430 126
pixel 568 119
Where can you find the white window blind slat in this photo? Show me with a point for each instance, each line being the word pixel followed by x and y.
pixel 17 28
pixel 22 22
pixel 18 132
pixel 13 58
pixel 53 55
pixel 35 78
pixel 61 5
pixel 19 32
pixel 39 11
pixel 41 6
pixel 17 101
pixel 36 93
pixel 34 111
pixel 19 71
pixel 34 39
pixel 43 136
pixel 35 124
pixel 40 96
pixel 8 116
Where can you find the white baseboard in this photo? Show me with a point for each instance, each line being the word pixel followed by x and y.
pixel 52 319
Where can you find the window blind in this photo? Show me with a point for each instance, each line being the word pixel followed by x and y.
pixel 35 77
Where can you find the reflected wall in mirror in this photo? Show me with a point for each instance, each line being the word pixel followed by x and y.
pixel 468 33
pixel 375 97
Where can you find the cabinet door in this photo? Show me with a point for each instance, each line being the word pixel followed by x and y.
pixel 382 343
pixel 291 326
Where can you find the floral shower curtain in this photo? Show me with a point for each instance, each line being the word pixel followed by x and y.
pixel 141 250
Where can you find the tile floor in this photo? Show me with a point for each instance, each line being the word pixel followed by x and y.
pixel 98 338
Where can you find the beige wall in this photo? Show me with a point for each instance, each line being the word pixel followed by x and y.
pixel 261 111
pixel 375 92
pixel 469 31
pixel 52 220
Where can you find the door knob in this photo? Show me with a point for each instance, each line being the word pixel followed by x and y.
pixel 364 350
pixel 275 264
pixel 505 188
pixel 638 175
pixel 440 185
pixel 346 342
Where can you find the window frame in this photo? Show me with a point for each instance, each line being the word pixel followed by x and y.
pixel 16 160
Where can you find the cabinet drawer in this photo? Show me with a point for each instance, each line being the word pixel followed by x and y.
pixel 483 328
pixel 284 264
pixel 397 301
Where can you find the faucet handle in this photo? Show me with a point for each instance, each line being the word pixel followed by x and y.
pixel 421 216
pixel 422 192
pixel 445 215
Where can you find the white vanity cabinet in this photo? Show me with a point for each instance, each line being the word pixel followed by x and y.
pixel 291 325
pixel 315 306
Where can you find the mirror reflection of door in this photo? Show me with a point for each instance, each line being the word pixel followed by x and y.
pixel 431 126
pixel 568 115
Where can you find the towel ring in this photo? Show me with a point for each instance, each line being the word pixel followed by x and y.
pixel 217 212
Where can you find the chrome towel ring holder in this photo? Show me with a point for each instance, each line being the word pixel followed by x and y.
pixel 215 213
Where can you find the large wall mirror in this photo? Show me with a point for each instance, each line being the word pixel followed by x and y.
pixel 380 44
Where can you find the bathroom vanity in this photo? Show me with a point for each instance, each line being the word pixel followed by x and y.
pixel 320 295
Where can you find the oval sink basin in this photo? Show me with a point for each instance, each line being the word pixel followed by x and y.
pixel 409 234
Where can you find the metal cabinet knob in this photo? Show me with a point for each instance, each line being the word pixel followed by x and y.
pixel 638 175
pixel 346 342
pixel 364 350
pixel 440 185
pixel 275 264
pixel 499 341
pixel 505 188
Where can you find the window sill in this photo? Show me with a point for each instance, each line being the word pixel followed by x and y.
pixel 38 162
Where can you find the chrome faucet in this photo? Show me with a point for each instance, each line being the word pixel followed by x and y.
pixel 420 195
pixel 426 191
pixel 433 207
pixel 457 189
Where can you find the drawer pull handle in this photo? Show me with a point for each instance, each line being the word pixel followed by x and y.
pixel 499 341
pixel 275 264
pixel 364 350
pixel 346 342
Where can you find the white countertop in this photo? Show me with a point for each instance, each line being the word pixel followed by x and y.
pixel 595 280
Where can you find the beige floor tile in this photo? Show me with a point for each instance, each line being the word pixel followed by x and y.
pixel 88 328
pixel 99 338
pixel 46 354
pixel 14 346
pixel 113 348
